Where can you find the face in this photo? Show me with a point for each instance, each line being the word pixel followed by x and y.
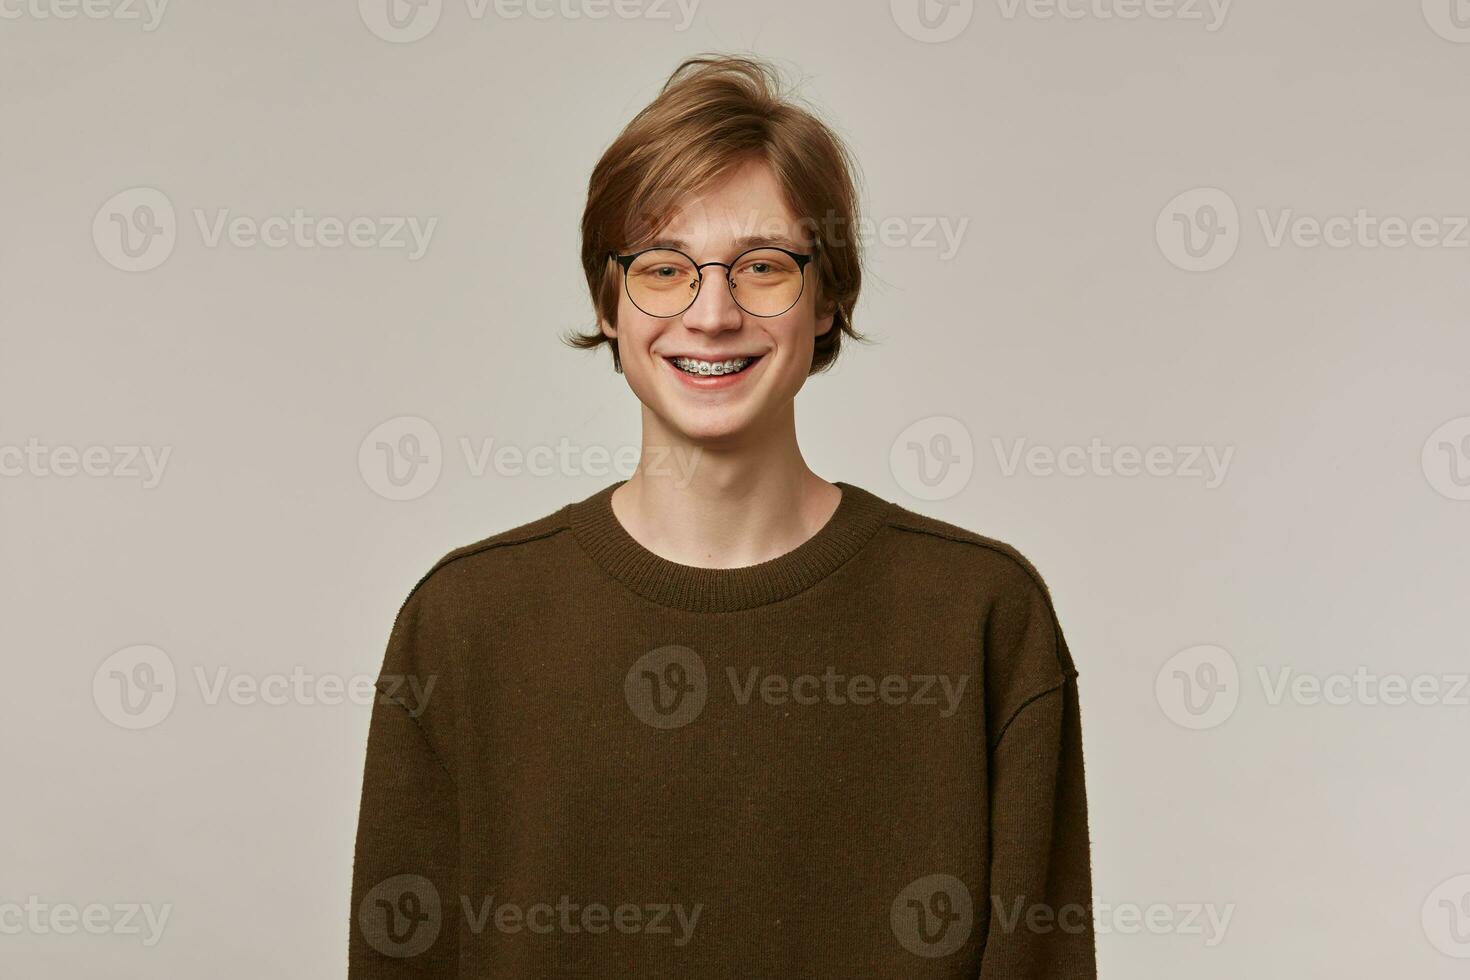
pixel 744 210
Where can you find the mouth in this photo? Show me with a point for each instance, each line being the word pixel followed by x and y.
pixel 699 368
pixel 718 374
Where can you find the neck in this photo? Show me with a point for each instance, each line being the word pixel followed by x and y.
pixel 722 504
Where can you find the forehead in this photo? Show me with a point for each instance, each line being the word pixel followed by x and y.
pixel 747 204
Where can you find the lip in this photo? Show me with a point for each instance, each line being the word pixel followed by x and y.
pixel 713 382
pixel 709 357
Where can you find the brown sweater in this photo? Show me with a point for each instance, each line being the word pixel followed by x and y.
pixel 860 760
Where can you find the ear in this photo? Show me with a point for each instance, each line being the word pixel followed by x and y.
pixel 825 319
pixel 608 330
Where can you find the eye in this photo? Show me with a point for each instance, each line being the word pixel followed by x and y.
pixel 766 264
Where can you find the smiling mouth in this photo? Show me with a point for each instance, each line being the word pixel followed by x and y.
pixel 710 369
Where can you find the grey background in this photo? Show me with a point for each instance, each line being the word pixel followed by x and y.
pixel 1334 833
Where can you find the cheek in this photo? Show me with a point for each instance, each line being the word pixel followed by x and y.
pixel 633 330
pixel 636 334
pixel 795 331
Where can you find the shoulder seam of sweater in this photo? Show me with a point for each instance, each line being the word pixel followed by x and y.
pixel 1067 678
pixel 978 541
pixel 1007 551
pixel 558 523
pixel 490 544
pixel 423 733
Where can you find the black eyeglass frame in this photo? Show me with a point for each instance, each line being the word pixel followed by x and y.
pixel 801 259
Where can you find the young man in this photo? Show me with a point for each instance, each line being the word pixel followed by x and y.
pixel 725 718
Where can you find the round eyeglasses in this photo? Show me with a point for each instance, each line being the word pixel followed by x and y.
pixel 664 282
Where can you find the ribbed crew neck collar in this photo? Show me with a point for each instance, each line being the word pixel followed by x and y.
pixel 858 516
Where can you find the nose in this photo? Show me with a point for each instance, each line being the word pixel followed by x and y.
pixel 714 309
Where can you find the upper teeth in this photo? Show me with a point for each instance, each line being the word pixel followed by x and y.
pixel 696 366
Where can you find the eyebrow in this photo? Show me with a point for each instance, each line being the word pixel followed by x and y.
pixel 741 244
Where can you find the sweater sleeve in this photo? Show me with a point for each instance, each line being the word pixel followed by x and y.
pixel 405 862
pixel 1040 915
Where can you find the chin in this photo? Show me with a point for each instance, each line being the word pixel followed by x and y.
pixel 710 428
